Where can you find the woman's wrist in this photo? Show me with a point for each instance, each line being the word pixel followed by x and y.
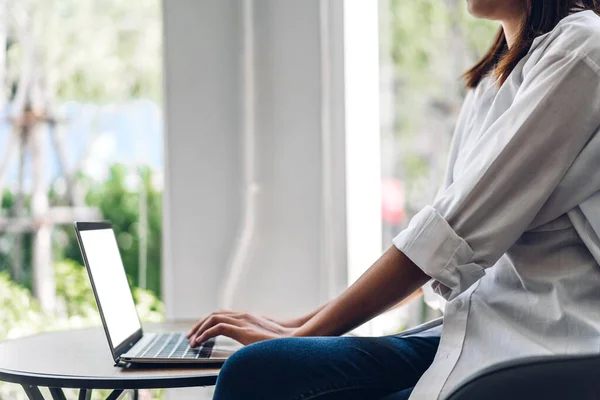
pixel 301 321
pixel 301 331
pixel 308 327
pixel 293 323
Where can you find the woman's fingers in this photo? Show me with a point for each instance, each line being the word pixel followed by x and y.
pixel 210 322
pixel 225 329
pixel 264 322
pixel 201 321
pixel 243 334
pixel 195 327
pixel 261 327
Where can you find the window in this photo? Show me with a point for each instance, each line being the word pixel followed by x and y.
pixel 425 47
pixel 80 139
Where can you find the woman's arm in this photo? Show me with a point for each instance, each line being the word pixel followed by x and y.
pixel 393 278
pixel 390 280
pixel 298 322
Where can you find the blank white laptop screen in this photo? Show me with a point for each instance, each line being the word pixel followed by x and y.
pixel 112 288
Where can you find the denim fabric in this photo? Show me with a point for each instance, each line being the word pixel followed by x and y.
pixel 326 368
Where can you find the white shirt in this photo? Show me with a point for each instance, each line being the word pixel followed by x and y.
pixel 512 239
pixel 432 299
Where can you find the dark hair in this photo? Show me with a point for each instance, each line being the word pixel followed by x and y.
pixel 542 17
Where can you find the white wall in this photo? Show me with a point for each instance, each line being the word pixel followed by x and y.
pixel 287 86
pixel 202 90
pixel 205 122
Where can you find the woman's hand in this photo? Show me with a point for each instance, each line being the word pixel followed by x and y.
pixel 392 279
pixel 246 328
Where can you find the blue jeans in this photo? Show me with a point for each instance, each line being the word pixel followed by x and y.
pixel 327 368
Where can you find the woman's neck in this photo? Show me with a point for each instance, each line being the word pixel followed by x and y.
pixel 512 24
pixel 511 31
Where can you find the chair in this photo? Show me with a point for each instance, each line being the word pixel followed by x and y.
pixel 544 377
pixel 530 378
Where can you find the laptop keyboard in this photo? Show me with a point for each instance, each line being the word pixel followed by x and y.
pixel 175 345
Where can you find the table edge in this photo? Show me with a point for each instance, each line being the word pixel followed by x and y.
pixel 79 382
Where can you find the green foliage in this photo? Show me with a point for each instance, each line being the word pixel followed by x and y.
pixel 93 50
pixel 8 200
pixel 7 240
pixel 431 44
pixel 477 34
pixel 149 307
pixel 431 39
pixel 21 315
pixel 119 204
pixel 74 289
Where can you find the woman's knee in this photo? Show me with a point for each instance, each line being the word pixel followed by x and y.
pixel 249 369
pixel 241 362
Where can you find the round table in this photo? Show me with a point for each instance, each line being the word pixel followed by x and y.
pixel 82 359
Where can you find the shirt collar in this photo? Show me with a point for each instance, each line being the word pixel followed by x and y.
pixel 540 38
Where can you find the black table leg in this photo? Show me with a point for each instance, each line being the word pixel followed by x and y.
pixel 57 394
pixel 85 394
pixel 115 394
pixel 33 392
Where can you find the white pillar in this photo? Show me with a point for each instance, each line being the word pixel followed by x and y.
pixel 299 155
pixel 363 152
pixel 295 107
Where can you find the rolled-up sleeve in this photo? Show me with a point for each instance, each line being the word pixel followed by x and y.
pixel 510 171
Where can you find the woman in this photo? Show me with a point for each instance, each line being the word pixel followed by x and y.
pixel 511 240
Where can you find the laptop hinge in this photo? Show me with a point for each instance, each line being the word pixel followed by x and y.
pixel 121 363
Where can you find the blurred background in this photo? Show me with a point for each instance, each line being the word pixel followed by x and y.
pixel 250 154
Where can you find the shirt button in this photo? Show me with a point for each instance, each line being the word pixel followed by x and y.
pixel 458 303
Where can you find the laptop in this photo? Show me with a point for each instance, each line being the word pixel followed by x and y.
pixel 128 342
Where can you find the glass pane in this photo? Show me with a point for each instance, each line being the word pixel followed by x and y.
pixel 80 139
pixel 425 47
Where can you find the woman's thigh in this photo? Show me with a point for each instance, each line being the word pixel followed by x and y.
pixel 325 368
